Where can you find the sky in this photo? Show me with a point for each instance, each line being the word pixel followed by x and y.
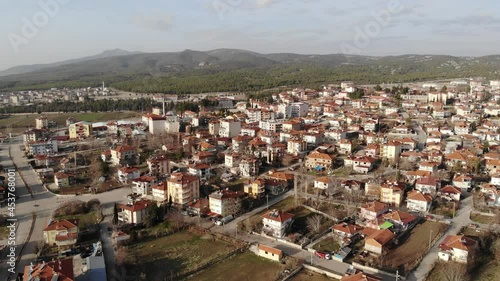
pixel 45 31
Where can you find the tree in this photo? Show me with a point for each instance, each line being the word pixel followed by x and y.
pixel 444 90
pixel 115 214
pixel 314 223
pixel 378 88
pixel 357 94
pixel 453 271
pixel 152 215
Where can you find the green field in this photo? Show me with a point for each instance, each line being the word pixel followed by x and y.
pixel 22 121
pixel 242 267
pixel 484 219
pixel 328 244
pixel 177 254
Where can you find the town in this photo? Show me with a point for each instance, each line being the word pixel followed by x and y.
pixel 342 182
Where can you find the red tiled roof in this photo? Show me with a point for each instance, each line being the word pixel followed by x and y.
pixel 278 216
pixel 45 271
pixel 61 225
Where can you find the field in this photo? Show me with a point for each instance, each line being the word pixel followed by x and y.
pixel 415 245
pixel 20 122
pixel 177 254
pixel 305 275
pixel 242 267
pixel 84 220
pixel 328 244
pixel 484 219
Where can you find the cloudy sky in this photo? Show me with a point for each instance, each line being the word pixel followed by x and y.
pixel 31 32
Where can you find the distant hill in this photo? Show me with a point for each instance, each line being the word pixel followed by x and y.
pixel 34 67
pixel 192 71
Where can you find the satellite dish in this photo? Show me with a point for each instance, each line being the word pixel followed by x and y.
pixel 102 179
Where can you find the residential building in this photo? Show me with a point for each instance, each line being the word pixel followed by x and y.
pixel 213 127
pixel 232 160
pixel 123 154
pixel 156 123
pixel 249 167
pixel 199 206
pixel 55 270
pixel 201 170
pixel 183 188
pixel 80 129
pixel 42 147
pixel 428 185
pixel 345 230
pixel 462 182
pixel 418 201
pixel 392 193
pixel 276 223
pixel 256 189
pixel 457 248
pixel 61 233
pixel 142 185
pixel 318 160
pixel 323 183
pixel 392 151
pixel 159 165
pixel 229 128
pixel 345 146
pixel 62 179
pixel 225 202
pixel 378 241
pixel 41 122
pixel 160 192
pixel 34 135
pixel 126 174
pixel 296 146
pixel 133 212
pixel 450 193
pixel 372 210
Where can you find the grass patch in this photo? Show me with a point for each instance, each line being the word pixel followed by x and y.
pixel 483 219
pixel 328 244
pixel 415 246
pixel 4 232
pixel 245 266
pixel 174 255
pixel 84 220
pixel 305 275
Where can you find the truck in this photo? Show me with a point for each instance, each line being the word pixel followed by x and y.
pixel 322 255
pixel 224 220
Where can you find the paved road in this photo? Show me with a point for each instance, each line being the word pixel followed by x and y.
pixel 460 220
pixel 421 135
pixel 43 204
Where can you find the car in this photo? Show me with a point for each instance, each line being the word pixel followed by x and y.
pixel 322 255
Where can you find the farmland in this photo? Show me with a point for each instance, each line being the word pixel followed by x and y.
pixel 415 246
pixel 177 254
pixel 242 267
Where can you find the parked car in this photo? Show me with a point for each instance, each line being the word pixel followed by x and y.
pixel 322 255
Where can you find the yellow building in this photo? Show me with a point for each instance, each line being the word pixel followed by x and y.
pixel 61 232
pixel 270 253
pixel 392 151
pixel 80 130
pixel 256 189
pixel 392 193
pixel 183 188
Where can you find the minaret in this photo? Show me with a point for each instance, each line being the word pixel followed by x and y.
pixel 103 86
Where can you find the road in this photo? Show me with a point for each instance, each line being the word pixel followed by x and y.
pixel 460 220
pixel 43 204
pixel 421 135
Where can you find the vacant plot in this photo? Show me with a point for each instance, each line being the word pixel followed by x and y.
pixel 22 121
pixel 242 267
pixel 415 246
pixel 177 254
pixel 328 244
pixel 484 219
pixel 84 220
pixel 305 275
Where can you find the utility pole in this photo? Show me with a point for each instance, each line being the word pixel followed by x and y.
pixel 453 208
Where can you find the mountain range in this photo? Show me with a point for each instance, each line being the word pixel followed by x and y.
pixel 121 68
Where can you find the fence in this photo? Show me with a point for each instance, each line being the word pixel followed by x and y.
pixel 376 270
pixel 323 271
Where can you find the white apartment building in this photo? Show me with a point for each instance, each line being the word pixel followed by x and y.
pixel 229 128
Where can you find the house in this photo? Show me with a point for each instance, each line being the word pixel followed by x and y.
pixel 319 161
pixel 232 160
pixel 225 202
pixel 462 182
pixel 229 128
pixel 34 135
pixel 159 165
pixel 400 219
pixel 57 270
pixel 352 185
pixel 133 212
pixel 392 193
pixel 429 166
pixel 450 193
pixel 345 229
pixel 345 146
pixel 159 192
pixel 183 188
pixel 62 179
pixel 363 164
pixel 360 276
pixel 201 170
pixel 123 154
pixel 256 189
pixel 142 185
pixel 205 157
pixel 457 248
pixel 41 147
pixel 61 232
pixel 378 240
pixel 391 151
pixel 372 150
pixel 371 210
pixel 323 183
pixel 199 206
pixel 249 167
pixel 428 185
pixel 270 253
pixel 418 201
pixel 126 174
pixel 276 223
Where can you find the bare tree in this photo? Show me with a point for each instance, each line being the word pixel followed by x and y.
pixel 314 223
pixel 453 271
pixel 407 165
